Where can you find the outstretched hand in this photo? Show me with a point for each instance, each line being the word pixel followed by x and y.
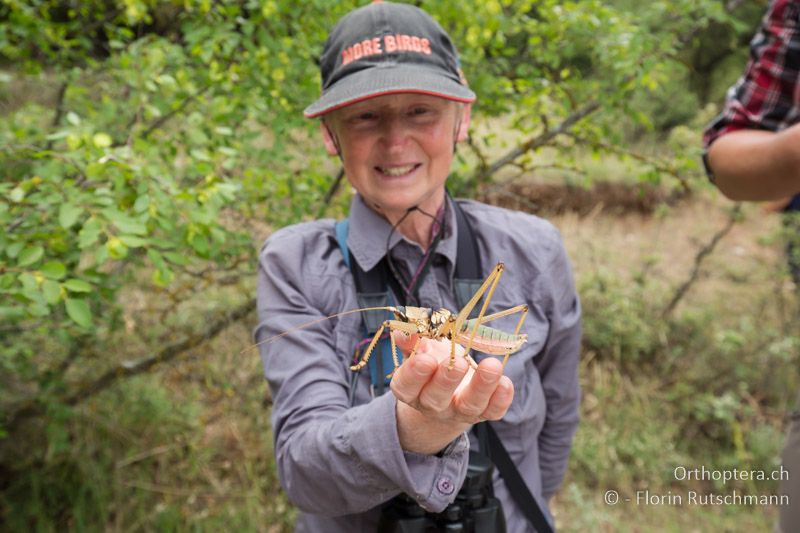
pixel 437 403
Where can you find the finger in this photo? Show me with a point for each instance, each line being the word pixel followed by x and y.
pixel 412 376
pixel 500 401
pixel 404 341
pixel 474 398
pixel 437 395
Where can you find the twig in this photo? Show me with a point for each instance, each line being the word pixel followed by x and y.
pixel 147 454
pixel 658 165
pixel 62 91
pixel 698 261
pixel 152 487
pixel 333 189
pixel 164 119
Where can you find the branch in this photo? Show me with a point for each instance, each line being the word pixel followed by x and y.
pixel 537 142
pixel 698 261
pixel 132 368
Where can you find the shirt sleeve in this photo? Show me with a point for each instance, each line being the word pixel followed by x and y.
pixel 558 368
pixel 767 96
pixel 333 459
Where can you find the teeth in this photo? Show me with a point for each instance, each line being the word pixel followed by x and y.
pixel 397 171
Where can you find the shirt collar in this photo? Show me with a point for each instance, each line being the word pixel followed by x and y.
pixel 368 232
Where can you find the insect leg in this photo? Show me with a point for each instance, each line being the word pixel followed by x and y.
pixel 365 358
pixel 510 311
pixel 488 288
pixel 393 325
pixel 516 331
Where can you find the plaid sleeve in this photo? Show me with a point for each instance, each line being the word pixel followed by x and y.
pixel 767 96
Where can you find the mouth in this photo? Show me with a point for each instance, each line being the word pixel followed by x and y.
pixel 397 171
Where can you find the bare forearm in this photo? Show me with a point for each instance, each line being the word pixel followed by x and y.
pixel 757 165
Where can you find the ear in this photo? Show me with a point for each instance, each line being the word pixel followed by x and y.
pixel 463 128
pixel 327 137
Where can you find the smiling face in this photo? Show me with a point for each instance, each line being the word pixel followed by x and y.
pixel 397 149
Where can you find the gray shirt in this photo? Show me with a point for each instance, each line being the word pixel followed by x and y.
pixel 338 463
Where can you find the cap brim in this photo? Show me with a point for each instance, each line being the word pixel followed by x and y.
pixel 377 81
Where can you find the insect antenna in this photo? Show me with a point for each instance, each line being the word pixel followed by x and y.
pixel 315 321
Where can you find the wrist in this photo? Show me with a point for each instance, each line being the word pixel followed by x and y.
pixel 419 433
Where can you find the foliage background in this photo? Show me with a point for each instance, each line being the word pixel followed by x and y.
pixel 147 148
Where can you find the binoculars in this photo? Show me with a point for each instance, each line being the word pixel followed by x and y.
pixel 474 510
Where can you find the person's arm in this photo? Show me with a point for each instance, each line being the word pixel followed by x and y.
pixel 558 368
pixel 747 159
pixel 757 165
pixel 333 459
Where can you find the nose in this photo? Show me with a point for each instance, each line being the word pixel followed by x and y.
pixel 394 132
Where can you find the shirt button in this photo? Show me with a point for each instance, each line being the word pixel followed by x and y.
pixel 445 486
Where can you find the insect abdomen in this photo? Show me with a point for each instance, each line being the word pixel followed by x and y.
pixel 490 340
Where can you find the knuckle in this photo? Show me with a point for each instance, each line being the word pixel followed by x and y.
pixel 493 413
pixel 434 404
pixel 470 409
pixel 401 394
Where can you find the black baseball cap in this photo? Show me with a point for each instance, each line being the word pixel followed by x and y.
pixel 386 48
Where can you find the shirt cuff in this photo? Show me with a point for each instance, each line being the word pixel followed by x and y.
pixel 432 481
pixel 438 478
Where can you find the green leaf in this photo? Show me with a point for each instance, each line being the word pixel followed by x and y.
pixel 30 255
pixel 132 241
pixel 17 194
pixel 176 258
pixel 125 223
pixel 77 285
pixel 141 204
pixel 68 215
pixel 53 270
pixel 79 312
pixel 14 249
pixel 116 249
pixel 28 281
pixel 52 291
pixel 89 233
pixel 73 119
pixel 163 276
pixel 156 257
pixel 102 140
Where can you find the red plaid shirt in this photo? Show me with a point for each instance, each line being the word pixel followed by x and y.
pixel 767 96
